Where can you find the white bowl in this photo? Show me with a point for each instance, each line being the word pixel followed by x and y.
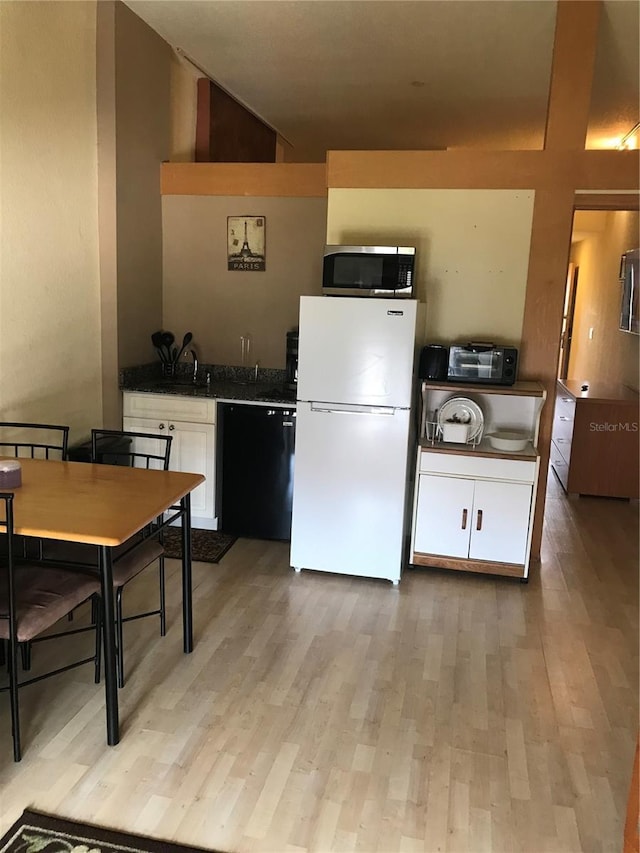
pixel 509 440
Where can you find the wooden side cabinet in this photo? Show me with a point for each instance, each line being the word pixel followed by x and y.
pixel 473 514
pixel 595 439
pixel 473 504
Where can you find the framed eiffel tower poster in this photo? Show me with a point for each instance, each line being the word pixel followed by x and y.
pixel 246 243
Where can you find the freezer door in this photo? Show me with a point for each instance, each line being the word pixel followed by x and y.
pixel 349 490
pixel 354 350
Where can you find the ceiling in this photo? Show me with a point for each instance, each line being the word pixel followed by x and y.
pixel 399 74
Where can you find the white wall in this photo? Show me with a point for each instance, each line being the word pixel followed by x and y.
pixel 472 252
pixel 50 364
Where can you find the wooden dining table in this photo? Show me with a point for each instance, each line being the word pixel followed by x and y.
pixel 105 505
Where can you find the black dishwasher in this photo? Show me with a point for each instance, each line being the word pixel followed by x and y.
pixel 255 470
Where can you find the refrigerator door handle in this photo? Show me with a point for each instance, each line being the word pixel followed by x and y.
pixel 353 410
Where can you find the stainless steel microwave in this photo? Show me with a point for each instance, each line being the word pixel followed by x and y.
pixel 379 271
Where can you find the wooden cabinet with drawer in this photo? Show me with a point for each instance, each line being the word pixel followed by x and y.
pixel 594 443
pixel 473 504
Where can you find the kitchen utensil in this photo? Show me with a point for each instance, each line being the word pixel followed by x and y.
pixel 167 342
pixel 185 343
pixel 509 440
pixel 156 340
pixel 462 410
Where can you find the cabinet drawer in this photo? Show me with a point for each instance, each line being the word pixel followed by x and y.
pixel 523 471
pixel 563 447
pixel 562 429
pixel 169 407
pixel 565 408
pixel 562 426
pixel 560 465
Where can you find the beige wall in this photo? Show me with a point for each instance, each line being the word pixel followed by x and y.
pixel 49 274
pixel 609 355
pixel 184 110
pixel 143 62
pixel 218 306
pixel 472 252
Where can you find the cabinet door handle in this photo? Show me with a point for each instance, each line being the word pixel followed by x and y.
pixel 464 519
pixel 171 427
pixel 160 426
pixel 479 521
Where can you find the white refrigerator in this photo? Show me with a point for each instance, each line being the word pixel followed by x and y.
pixel 355 410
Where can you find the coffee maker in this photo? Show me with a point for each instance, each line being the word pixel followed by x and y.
pixel 291 378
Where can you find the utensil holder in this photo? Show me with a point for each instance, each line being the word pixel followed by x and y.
pixel 168 370
pixel 456 433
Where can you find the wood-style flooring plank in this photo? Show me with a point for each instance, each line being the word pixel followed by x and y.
pixel 321 713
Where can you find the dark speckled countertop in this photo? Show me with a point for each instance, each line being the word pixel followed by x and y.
pixel 224 383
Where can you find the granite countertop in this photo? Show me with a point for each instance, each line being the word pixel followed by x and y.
pixel 225 383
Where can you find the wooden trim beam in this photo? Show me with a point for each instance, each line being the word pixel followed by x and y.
pixel 468 169
pixel 607 201
pixel 574 51
pixel 574 56
pixel 542 324
pixel 300 180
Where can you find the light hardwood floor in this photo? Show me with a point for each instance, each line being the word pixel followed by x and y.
pixel 323 713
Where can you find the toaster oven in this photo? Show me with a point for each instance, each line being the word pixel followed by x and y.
pixel 484 363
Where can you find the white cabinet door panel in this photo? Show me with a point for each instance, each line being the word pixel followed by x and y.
pixel 503 521
pixel 443 516
pixel 192 450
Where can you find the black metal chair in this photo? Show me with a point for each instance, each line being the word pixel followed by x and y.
pixel 144 450
pixel 37 441
pixel 133 449
pixel 33 598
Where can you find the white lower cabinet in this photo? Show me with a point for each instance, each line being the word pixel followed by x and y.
pixel 474 519
pixel 465 520
pixel 191 423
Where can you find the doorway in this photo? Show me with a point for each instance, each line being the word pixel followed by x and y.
pixel 567 320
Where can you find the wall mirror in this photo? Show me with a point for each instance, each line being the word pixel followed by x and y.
pixel 629 310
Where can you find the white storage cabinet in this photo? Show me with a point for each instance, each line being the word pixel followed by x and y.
pixel 473 506
pixel 191 423
pixel 473 519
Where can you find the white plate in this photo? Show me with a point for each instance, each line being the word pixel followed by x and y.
pixel 461 410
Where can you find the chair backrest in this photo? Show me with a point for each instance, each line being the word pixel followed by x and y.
pixel 134 449
pixel 6 559
pixel 37 441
